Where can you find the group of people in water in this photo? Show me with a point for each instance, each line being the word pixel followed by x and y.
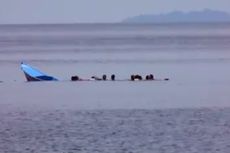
pixel 112 78
pixel 139 77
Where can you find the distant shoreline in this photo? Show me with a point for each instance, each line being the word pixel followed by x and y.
pixel 206 15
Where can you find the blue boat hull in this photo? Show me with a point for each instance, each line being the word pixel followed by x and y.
pixel 33 74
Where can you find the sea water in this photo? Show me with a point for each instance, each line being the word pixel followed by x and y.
pixel 188 113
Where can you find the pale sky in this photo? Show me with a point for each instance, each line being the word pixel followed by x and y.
pixel 77 11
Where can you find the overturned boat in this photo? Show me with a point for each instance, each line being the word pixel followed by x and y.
pixel 32 74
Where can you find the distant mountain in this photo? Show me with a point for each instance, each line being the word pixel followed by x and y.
pixel 206 15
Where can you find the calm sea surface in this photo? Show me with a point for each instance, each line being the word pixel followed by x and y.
pixel 188 114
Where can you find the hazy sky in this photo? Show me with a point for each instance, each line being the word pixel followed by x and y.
pixel 75 11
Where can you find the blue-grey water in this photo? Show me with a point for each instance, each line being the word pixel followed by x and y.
pixel 190 113
pixel 124 131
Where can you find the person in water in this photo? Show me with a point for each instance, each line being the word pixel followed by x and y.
pixel 96 78
pixel 75 78
pixel 113 77
pixel 151 77
pixel 104 77
pixel 136 77
pixel 132 78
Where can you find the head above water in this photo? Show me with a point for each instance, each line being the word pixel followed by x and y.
pixel 104 77
pixel 151 77
pixel 75 78
pixel 113 77
pixel 138 77
pixel 132 77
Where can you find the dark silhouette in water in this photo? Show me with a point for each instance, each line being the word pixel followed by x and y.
pixel 104 77
pixel 136 77
pixel 75 78
pixel 149 77
pixel 132 78
pixel 96 78
pixel 113 77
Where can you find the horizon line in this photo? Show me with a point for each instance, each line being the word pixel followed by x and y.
pixel 101 23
